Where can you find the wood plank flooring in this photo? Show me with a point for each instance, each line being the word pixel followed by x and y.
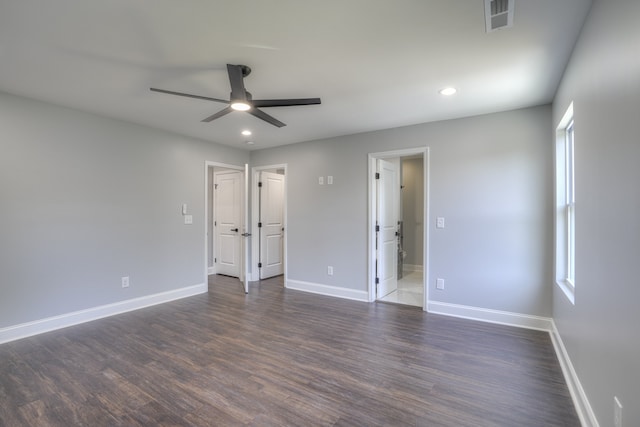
pixel 279 357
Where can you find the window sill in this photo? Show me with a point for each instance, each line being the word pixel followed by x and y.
pixel 568 290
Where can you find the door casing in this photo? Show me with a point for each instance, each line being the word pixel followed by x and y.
pixel 372 213
pixel 271 234
pixel 244 227
pixel 255 250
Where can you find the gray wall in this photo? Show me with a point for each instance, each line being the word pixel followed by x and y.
pixel 86 200
pixel 490 177
pixel 412 210
pixel 601 330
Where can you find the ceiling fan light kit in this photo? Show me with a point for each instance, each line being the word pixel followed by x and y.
pixel 240 106
pixel 241 100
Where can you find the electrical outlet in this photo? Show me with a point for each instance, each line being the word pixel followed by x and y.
pixel 188 219
pixel 125 281
pixel 330 270
pixel 321 180
pixel 330 180
pixel 440 284
pixel 617 412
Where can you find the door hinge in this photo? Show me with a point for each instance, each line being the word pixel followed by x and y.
pixel 260 184
pixel 259 265
pixel 259 225
pixel 215 186
pixel 215 223
pixel 377 228
pixel 377 281
pixel 215 260
pixel 377 175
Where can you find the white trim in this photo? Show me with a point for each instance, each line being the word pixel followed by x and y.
pixel 36 327
pixel 568 290
pixel 580 401
pixel 491 316
pixel 563 254
pixel 371 218
pixel 330 291
pixel 207 164
pixel 255 272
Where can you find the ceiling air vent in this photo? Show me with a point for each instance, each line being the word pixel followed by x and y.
pixel 498 14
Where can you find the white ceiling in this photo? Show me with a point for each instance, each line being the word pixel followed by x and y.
pixel 374 63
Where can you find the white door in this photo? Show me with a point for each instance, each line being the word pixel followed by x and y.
pixel 387 220
pixel 227 221
pixel 271 224
pixel 246 241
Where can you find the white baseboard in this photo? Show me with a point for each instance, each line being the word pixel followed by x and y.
pixel 491 316
pixel 332 291
pixel 211 270
pixel 36 327
pixel 580 401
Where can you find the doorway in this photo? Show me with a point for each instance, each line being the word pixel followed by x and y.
pixel 269 220
pixel 398 239
pixel 226 212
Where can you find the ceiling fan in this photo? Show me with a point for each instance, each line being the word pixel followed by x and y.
pixel 241 100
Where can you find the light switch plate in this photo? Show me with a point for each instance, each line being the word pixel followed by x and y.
pixel 440 222
pixel 188 219
pixel 321 180
pixel 329 180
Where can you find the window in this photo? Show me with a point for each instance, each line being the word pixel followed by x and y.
pixel 565 205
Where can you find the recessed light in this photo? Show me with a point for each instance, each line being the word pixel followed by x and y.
pixel 246 132
pixel 448 91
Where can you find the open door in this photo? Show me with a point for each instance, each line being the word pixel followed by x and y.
pixel 383 247
pixel 227 225
pixel 228 220
pixel 271 224
pixel 387 225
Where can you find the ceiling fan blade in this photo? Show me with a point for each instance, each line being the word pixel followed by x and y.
pixel 219 114
pixel 236 79
pixel 206 98
pixel 260 103
pixel 267 118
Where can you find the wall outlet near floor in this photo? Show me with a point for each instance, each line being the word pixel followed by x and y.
pixel 617 412
pixel 330 270
pixel 125 281
pixel 440 284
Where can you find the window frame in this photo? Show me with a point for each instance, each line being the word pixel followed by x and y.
pixel 565 222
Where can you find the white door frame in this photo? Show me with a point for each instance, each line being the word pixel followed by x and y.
pixel 255 250
pixel 227 182
pixel 207 165
pixel 371 224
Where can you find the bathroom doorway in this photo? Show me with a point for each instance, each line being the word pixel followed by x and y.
pixel 398 213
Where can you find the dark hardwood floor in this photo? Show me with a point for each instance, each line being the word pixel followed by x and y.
pixel 278 357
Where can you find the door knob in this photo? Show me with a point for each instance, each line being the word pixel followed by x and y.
pixel 234 229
